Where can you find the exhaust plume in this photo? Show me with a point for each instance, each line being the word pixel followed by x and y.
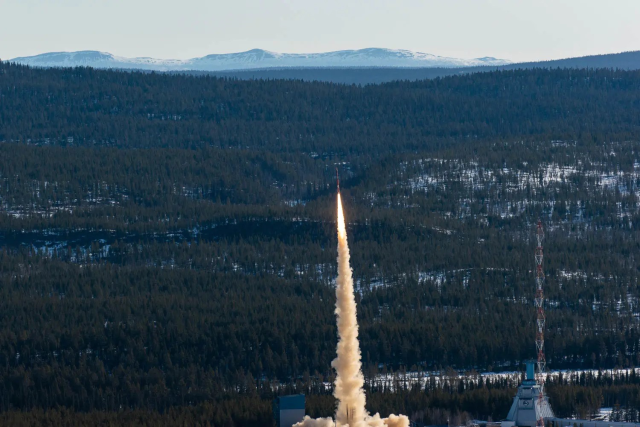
pixel 349 380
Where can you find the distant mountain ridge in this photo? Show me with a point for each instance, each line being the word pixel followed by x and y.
pixel 259 59
pixel 620 61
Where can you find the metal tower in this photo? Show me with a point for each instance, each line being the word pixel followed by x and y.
pixel 530 406
pixel 539 302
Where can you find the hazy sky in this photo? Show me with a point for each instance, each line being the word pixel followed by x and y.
pixel 512 29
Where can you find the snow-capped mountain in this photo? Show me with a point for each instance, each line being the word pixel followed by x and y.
pixel 257 59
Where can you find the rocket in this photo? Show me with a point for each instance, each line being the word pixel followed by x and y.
pixel 338 179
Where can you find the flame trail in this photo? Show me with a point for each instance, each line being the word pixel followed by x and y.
pixel 349 380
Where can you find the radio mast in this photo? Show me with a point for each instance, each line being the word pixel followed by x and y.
pixel 540 319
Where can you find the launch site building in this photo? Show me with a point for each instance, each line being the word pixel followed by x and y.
pixel 528 408
pixel 288 410
pixel 530 404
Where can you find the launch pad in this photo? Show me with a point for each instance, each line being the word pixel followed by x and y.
pixel 527 408
pixel 530 403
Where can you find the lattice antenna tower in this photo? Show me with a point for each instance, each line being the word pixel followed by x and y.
pixel 540 319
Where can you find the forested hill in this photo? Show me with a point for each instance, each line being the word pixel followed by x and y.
pixel 90 107
pixel 620 61
pixel 167 243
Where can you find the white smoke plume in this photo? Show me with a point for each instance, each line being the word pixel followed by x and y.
pixel 349 380
pixel 318 422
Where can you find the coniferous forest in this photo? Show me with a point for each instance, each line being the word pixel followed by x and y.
pixel 167 242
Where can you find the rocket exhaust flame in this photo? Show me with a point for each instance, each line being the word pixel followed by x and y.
pixel 349 380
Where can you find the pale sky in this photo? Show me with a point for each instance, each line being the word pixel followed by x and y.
pixel 519 30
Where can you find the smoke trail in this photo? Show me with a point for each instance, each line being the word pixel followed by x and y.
pixel 349 380
pixel 319 422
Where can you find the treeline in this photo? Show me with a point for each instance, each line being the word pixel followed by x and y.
pixel 101 337
pixel 83 106
pixel 430 407
pixel 54 177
